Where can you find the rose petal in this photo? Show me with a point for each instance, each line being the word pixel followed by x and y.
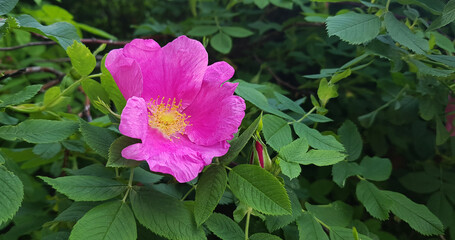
pixel 176 72
pixel 134 118
pixel 215 114
pixel 126 73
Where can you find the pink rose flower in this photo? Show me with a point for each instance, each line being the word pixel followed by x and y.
pixel 183 110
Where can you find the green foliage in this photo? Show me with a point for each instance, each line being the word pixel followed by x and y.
pixel 375 201
pixel 277 132
pixel 354 28
pixel 39 131
pixel 12 193
pixel 115 158
pixel 224 227
pixel 7 5
pixel 86 188
pixel 21 96
pixel 99 139
pixel 309 228
pixel 81 58
pixel 401 34
pixel 210 189
pixel 158 212
pixel 259 189
pixel 111 220
pixel 351 139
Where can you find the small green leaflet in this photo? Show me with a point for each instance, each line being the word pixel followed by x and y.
pixel 351 140
pixel 403 35
pixel 374 200
pixel 354 28
pixel 427 70
pixel 224 227
pixel 276 131
pixel 309 228
pixel 98 138
pixel 416 215
pixel 164 215
pixel 27 93
pixel 221 42
pixel 321 157
pixel 339 233
pixel 62 32
pixel 237 32
pixel 344 169
pixel 210 189
pixel 115 158
pixel 447 16
pixel 335 214
pixel 376 168
pixel 259 189
pixel 112 220
pixel 264 236
pixel 39 131
pixel 202 31
pixel 274 223
pixel 11 194
pixel 316 139
pixel 86 188
pixel 81 58
pixel 75 212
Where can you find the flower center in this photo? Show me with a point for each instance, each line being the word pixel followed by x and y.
pixel 166 117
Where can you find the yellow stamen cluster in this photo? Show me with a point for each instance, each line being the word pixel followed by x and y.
pixel 166 117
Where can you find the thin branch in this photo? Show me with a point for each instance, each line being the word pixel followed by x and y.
pixel 85 41
pixel 278 79
pixel 28 70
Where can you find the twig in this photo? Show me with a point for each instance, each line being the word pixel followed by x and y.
pixel 28 70
pixel 85 41
pixel 278 79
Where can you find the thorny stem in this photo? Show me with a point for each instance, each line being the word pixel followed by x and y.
pixel 130 185
pixel 304 116
pixel 247 224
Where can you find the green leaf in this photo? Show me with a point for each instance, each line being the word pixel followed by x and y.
pixel 11 194
pixel 111 220
pixel 416 215
pixel 339 76
pixel 164 215
pixel 81 58
pixel 288 103
pixel 63 33
pixel 274 223
pixel 239 143
pixel 74 145
pixel 375 201
pixel 334 214
pixel 376 168
pixel 258 99
pixel 259 189
pixel 282 3
pixel 47 150
pixel 27 93
pixel 342 170
pixel 39 131
pixel 320 157
pixel 351 140
pixel 290 169
pixel 221 42
pixel 261 3
pixel 202 31
pixel 294 150
pixel 264 236
pixel 354 28
pixel 427 70
pixel 210 189
pixel 224 227
pixel 86 188
pixel 339 233
pixel 316 139
pixel 442 135
pixel 96 93
pixel 447 16
pixel 75 212
pixel 99 139
pixel 401 34
pixel 309 228
pixel 445 59
pixel 115 158
pixel 276 131
pixel 109 85
pixel 95 31
pixel 441 207
pixel 7 5
pixel 237 32
pixel 420 182
pixel 326 91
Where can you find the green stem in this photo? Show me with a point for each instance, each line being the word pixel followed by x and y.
pixel 130 185
pixel 304 116
pixel 188 193
pixel 387 6
pixel 94 75
pixel 247 224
